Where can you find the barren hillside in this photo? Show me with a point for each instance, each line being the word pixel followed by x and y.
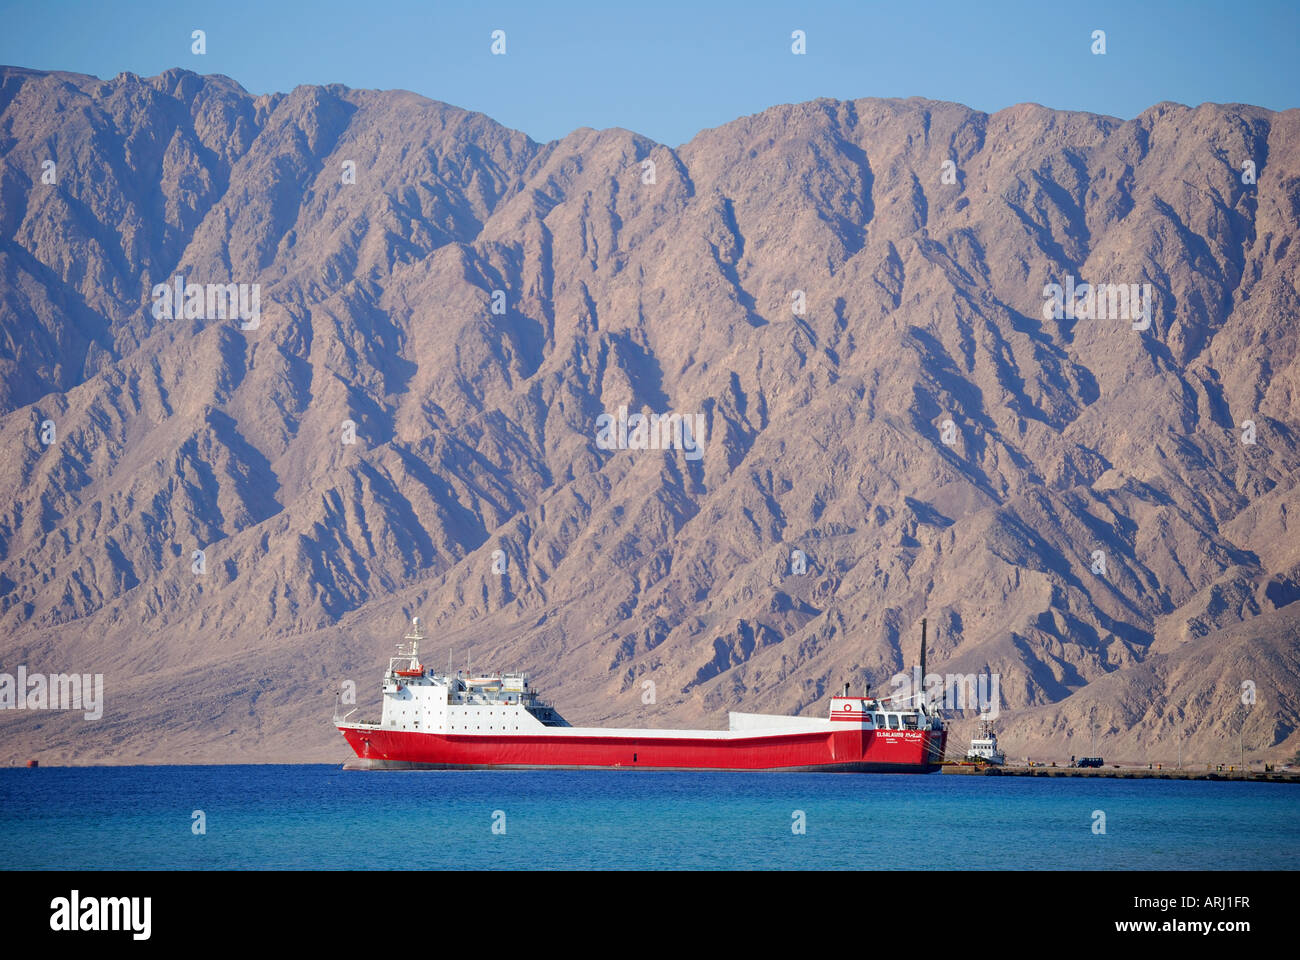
pixel 884 389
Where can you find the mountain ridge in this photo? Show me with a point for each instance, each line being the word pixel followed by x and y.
pixel 923 303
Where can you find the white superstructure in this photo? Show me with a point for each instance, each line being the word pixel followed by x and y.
pixel 985 747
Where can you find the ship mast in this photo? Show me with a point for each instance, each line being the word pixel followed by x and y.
pixel 412 641
pixel 921 692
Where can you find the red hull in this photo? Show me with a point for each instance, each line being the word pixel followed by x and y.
pixel 856 750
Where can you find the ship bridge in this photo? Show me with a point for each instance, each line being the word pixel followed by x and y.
pixel 419 699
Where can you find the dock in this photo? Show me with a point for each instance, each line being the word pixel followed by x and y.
pixel 1219 772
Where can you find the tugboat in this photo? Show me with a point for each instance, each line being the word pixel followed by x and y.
pixel 984 749
pixel 496 720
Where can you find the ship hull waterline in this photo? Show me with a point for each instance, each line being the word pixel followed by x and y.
pixel 836 751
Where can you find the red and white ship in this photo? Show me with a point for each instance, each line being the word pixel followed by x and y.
pixel 437 721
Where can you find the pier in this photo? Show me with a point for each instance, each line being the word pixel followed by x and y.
pixel 1121 771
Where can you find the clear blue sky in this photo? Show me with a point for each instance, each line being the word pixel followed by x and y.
pixel 667 69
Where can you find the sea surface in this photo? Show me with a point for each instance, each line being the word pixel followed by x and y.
pixel 320 817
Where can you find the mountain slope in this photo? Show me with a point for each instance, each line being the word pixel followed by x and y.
pixel 867 344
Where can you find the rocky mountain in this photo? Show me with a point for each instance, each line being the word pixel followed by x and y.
pixel 231 513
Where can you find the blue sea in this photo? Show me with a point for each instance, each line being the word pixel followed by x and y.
pixel 320 817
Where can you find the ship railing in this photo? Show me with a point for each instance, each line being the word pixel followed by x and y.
pixel 510 697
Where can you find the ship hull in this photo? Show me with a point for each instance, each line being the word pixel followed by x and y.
pixel 829 751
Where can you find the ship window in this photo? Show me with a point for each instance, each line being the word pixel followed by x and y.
pixel 880 720
pixel 909 721
pixel 893 721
